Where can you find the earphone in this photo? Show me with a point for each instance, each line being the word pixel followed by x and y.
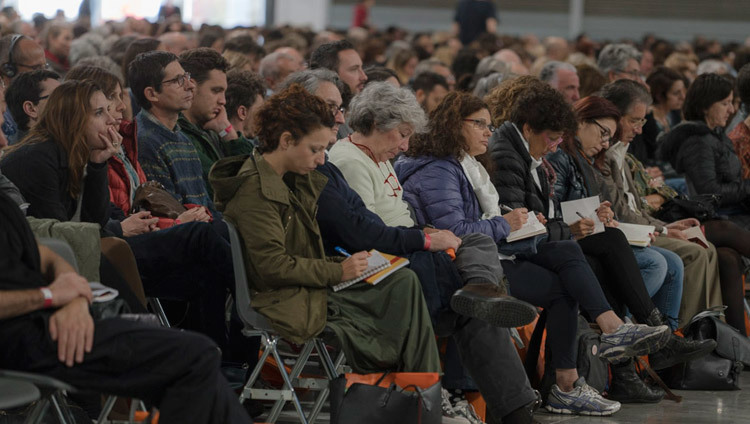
pixel 9 69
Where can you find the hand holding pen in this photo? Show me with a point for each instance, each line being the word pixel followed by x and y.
pixel 354 265
pixel 515 217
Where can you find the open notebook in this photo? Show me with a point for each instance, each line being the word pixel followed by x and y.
pixel 379 266
pixel 637 235
pixel 531 228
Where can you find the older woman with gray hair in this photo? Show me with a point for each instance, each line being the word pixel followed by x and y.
pixel 383 119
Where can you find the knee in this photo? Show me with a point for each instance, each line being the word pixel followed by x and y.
pixel 728 256
pixel 200 350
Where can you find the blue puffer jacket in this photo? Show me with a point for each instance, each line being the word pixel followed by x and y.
pixel 441 195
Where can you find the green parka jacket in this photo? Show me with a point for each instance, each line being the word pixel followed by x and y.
pixel 282 241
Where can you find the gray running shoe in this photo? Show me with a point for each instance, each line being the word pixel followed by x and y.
pixel 633 340
pixel 582 400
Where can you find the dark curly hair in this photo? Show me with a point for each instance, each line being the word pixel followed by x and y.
pixel 445 138
pixel 201 61
pixel 501 98
pixel 543 108
pixel 293 110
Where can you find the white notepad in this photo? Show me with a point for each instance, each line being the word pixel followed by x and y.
pixel 586 207
pixel 531 228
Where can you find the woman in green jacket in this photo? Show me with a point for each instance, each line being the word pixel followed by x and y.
pixel 272 197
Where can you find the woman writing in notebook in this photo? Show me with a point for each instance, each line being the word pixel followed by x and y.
pixel 272 197
pixel 449 188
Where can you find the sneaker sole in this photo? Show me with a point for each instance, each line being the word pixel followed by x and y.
pixel 506 312
pixel 650 344
pixel 684 358
pixel 566 411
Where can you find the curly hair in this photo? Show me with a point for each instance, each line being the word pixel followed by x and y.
pixel 445 138
pixel 293 110
pixel 501 98
pixel 543 108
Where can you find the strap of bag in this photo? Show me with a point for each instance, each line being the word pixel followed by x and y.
pixel 669 394
pixel 377 383
pixel 535 345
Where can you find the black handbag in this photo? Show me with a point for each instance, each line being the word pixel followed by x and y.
pixel 374 404
pixel 701 207
pixel 720 369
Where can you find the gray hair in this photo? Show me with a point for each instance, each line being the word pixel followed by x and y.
pixel 490 65
pixel 107 63
pixel 87 45
pixel 713 66
pixel 625 93
pixel 269 66
pixel 615 57
pixel 310 80
pixel 486 84
pixel 383 107
pixel 427 65
pixel 550 69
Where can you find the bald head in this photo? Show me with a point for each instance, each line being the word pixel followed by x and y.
pixel 26 56
pixel 174 42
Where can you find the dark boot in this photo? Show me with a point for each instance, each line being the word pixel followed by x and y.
pixel 627 386
pixel 487 302
pixel 678 349
pixel 522 415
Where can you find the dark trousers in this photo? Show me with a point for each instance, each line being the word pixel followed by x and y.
pixel 189 262
pixel 484 351
pixel 559 279
pixel 616 269
pixel 174 370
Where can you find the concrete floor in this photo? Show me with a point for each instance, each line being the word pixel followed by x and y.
pixel 697 407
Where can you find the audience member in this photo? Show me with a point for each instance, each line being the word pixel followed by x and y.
pixel 27 96
pixel 474 18
pixel 342 58
pixel 563 77
pixel 430 89
pixel 376 73
pixel 174 42
pixel 701 282
pixel 618 61
pixel 245 94
pixel 56 39
pixel 242 52
pixel 438 67
pixel 590 78
pixel 404 62
pixel 275 67
pixel 206 122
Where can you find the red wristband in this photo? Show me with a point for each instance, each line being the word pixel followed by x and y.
pixel 177 222
pixel 47 293
pixel 427 241
pixel 226 131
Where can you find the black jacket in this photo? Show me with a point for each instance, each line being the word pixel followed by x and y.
pixel 708 160
pixel 40 171
pixel 512 173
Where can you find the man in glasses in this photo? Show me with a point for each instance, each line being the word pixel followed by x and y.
pixel 18 54
pixel 163 89
pixel 27 96
pixel 206 122
pixel 621 61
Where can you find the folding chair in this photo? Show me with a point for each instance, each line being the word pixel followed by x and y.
pixel 49 392
pixel 257 326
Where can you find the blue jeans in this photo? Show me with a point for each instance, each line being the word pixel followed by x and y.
pixel 662 272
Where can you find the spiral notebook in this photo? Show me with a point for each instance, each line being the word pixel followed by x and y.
pixel 379 266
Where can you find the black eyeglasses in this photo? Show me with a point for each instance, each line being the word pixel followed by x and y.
pixel 606 135
pixel 480 124
pixel 179 79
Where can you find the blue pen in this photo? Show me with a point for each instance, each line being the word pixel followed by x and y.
pixel 342 251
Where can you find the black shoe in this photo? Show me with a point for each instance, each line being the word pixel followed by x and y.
pixel 524 414
pixel 627 386
pixel 678 349
pixel 486 301
pixel 254 408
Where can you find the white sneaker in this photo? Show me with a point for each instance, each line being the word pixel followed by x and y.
pixel 465 410
pixel 450 416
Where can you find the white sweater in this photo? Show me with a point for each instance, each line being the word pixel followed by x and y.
pixel 376 184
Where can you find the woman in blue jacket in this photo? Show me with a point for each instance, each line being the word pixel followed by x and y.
pixel 448 188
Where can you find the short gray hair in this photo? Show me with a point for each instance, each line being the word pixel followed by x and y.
pixel 550 69
pixel 615 57
pixel 427 65
pixel 87 45
pixel 269 65
pixel 383 107
pixel 713 66
pixel 625 93
pixel 310 80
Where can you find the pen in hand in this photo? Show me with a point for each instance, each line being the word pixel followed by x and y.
pixel 342 251
pixel 506 208
pixel 581 215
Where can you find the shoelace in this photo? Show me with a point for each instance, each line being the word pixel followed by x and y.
pixel 445 404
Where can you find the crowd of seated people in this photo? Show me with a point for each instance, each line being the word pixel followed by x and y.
pixel 417 146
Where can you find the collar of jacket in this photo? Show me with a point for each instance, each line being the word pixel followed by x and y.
pixel 273 188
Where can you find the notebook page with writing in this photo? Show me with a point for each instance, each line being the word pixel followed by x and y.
pixel 531 228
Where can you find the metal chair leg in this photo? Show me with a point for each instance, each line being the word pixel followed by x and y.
pixel 36 415
pixel 159 311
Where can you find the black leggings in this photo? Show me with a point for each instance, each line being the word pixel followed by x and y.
pixel 558 279
pixel 731 241
pixel 611 258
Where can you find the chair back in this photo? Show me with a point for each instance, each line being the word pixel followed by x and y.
pixel 247 314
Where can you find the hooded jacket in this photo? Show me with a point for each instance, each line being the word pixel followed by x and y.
pixel 286 265
pixel 119 182
pixel 708 160
pixel 441 195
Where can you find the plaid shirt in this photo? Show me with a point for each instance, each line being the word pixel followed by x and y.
pixel 740 137
pixel 168 156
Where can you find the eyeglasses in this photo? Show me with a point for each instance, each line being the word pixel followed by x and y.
pixel 634 73
pixel 44 65
pixel 606 135
pixel 480 124
pixel 637 123
pixel 336 109
pixel 553 143
pixel 179 79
